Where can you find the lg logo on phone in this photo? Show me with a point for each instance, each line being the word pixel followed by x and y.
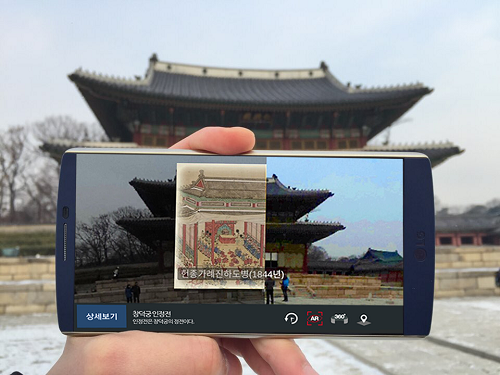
pixel 420 253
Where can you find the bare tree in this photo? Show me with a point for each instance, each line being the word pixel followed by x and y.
pixel 317 254
pixel 13 163
pixel 102 241
pixel 66 127
pixel 127 246
pixel 94 240
pixel 40 186
pixel 3 193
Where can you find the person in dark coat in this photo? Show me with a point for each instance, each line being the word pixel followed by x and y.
pixel 136 290
pixel 128 293
pixel 269 290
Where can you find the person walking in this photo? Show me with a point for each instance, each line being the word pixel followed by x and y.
pixel 269 290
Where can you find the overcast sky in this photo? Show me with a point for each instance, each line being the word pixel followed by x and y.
pixel 451 46
pixel 367 200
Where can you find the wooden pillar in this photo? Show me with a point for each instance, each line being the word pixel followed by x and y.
pixel 333 141
pixel 304 262
pixel 171 128
pixel 245 230
pixel 287 144
pixel 184 239
pixel 262 243
pixel 213 240
pixel 195 248
pixel 479 239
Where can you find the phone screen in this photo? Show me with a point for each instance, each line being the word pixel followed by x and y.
pixel 240 244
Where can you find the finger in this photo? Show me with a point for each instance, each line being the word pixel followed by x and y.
pixel 244 348
pixel 225 141
pixel 284 356
pixel 136 352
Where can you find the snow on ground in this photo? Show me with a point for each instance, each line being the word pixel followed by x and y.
pixel 32 343
pixel 29 343
pixel 27 282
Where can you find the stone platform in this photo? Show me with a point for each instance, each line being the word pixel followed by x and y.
pixel 160 288
pixel 466 271
pixel 27 285
pixel 339 286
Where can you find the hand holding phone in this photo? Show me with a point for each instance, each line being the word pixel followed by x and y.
pixel 145 352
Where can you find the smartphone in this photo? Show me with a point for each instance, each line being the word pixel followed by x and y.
pixel 269 243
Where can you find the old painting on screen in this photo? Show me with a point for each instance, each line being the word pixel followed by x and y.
pixel 333 233
pixel 220 225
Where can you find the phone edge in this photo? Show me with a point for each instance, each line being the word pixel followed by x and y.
pixel 65 263
pixel 417 180
pixel 419 247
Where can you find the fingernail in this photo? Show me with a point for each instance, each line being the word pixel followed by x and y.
pixel 308 370
pixel 226 361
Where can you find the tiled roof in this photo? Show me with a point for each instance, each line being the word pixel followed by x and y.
pixel 472 221
pixel 436 152
pixel 365 266
pixel 382 256
pixel 306 87
pixel 57 147
pixel 276 188
pixel 159 196
pixel 300 232
pixel 149 230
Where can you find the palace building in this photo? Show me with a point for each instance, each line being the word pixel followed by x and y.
pixel 477 226
pixel 305 109
pixel 287 238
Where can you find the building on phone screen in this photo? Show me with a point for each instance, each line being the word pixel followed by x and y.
pixel 287 239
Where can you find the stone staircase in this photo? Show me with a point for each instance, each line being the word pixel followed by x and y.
pixel 466 271
pixel 160 288
pixel 337 286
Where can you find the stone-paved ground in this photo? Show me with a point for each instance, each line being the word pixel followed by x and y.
pixel 32 343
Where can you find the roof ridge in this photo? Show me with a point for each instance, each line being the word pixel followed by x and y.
pixel 407 146
pixel 111 78
pixel 280 184
pixel 147 180
pixel 399 87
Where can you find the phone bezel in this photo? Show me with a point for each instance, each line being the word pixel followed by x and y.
pixel 418 217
